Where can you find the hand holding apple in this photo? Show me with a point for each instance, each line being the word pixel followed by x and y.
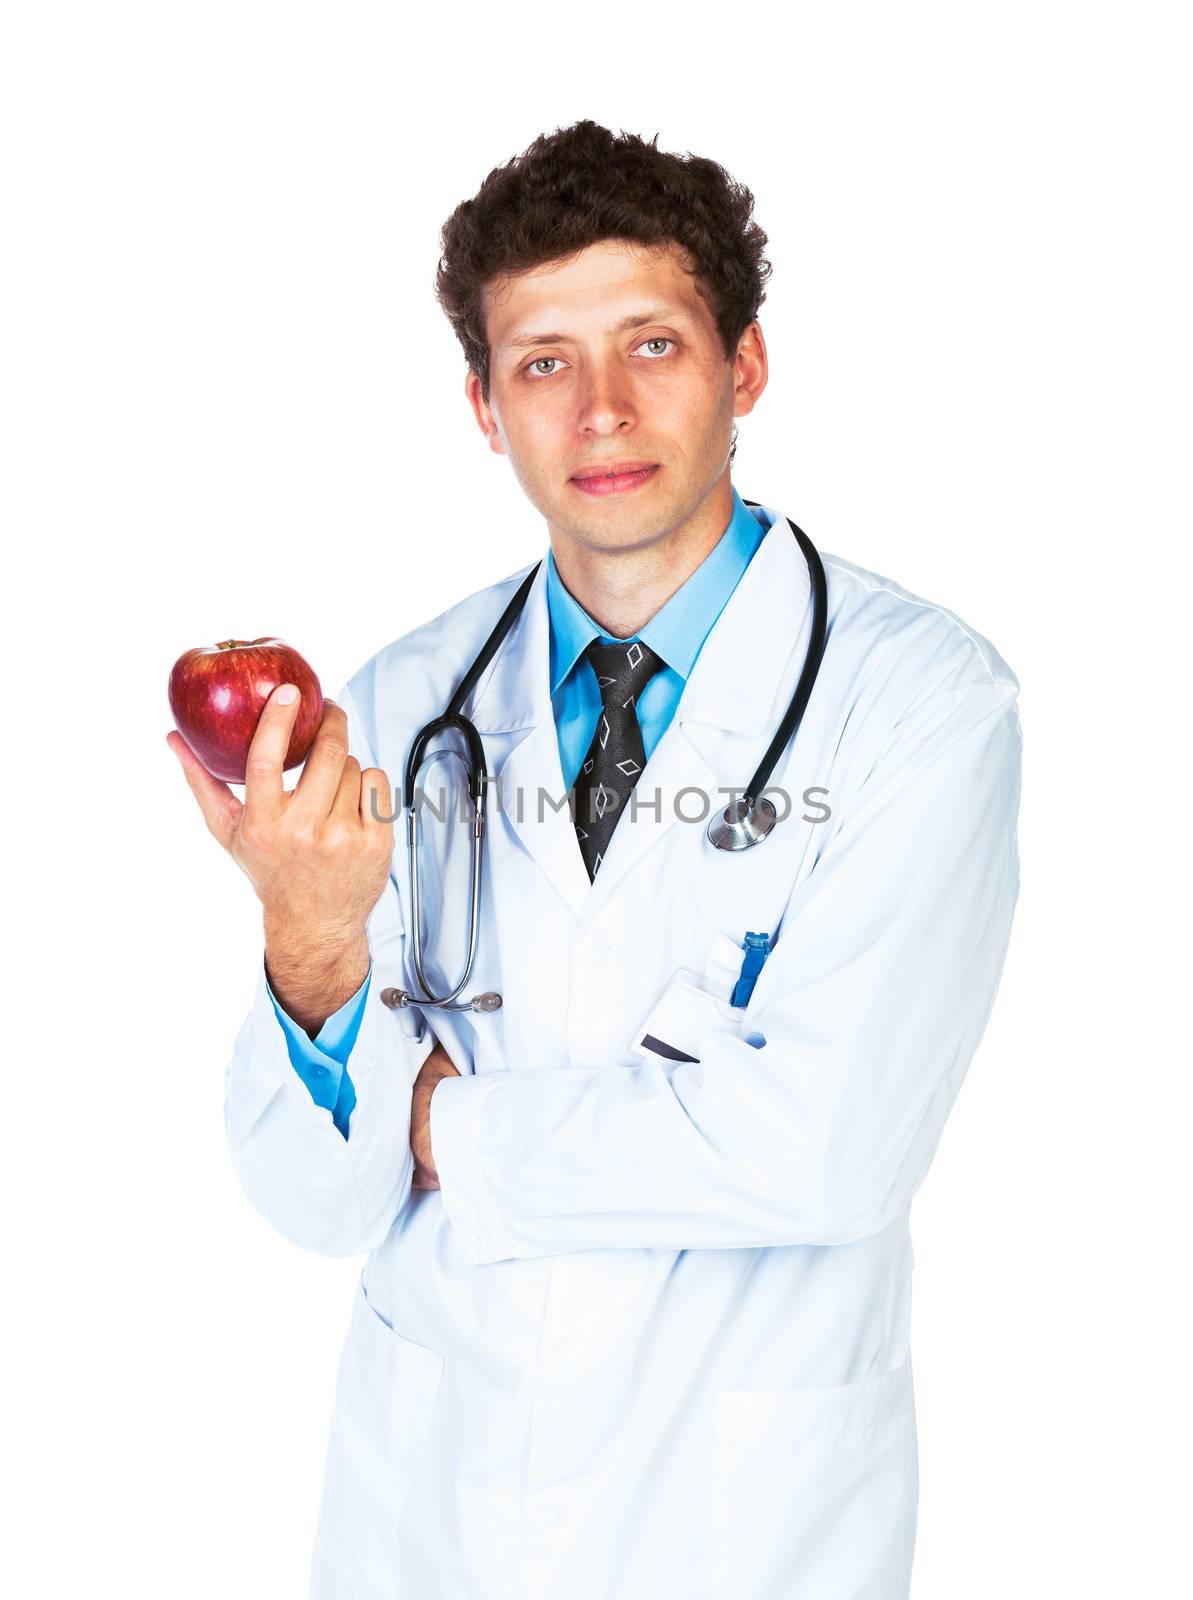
pixel 317 857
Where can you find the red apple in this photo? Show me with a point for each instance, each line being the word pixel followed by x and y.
pixel 218 692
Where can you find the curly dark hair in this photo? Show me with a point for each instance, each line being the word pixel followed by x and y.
pixel 581 185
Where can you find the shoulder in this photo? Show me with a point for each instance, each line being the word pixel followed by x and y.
pixel 917 646
pixel 410 679
pixel 913 682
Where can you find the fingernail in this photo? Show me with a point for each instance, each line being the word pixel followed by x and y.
pixel 286 695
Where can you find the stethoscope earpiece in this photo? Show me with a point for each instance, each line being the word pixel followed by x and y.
pixel 399 999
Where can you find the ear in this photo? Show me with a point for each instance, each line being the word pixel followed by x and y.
pixel 483 413
pixel 750 371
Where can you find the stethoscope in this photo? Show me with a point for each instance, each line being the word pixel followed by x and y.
pixel 743 822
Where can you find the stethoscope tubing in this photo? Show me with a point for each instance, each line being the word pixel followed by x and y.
pixel 794 714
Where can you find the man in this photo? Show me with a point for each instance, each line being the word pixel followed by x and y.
pixel 635 1313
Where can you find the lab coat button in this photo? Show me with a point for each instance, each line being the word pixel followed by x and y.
pixel 567 1338
pixel 546 1521
pixel 594 953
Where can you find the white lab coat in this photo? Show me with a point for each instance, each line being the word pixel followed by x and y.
pixel 651 1334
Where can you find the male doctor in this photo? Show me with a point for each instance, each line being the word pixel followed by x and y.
pixel 634 1316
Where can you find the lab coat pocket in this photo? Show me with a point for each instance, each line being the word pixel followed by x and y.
pixel 680 1018
pixel 815 1490
pixel 722 960
pixel 386 1390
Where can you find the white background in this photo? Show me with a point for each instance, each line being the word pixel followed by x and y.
pixel 231 407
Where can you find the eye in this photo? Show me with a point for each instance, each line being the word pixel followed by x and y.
pixel 658 339
pixel 541 361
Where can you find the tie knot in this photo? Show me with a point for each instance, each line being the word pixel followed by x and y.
pixel 622 669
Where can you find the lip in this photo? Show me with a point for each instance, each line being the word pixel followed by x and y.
pixel 622 477
pixel 617 468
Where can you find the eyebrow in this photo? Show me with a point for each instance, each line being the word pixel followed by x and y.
pixel 640 319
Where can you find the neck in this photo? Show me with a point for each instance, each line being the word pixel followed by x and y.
pixel 621 588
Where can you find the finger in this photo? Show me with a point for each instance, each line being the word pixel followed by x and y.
pixel 347 797
pixel 378 803
pixel 264 795
pixel 315 791
pixel 220 807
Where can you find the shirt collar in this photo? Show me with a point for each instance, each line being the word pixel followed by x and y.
pixel 679 628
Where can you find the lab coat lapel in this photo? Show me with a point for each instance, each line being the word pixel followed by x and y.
pixel 514 716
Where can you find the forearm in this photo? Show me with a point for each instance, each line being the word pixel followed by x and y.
pixel 313 973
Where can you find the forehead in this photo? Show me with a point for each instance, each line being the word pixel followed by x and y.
pixel 584 294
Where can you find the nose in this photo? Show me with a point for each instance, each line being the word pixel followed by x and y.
pixel 607 405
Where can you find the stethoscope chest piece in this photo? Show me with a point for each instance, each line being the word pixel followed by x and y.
pixel 742 824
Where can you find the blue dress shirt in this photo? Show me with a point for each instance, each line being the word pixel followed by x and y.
pixel 676 633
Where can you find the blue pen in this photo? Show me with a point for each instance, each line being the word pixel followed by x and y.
pixel 757 948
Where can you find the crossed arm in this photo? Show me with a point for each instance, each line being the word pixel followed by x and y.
pixel 869 1010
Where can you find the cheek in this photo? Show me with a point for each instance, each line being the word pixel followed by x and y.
pixel 693 415
pixel 694 396
pixel 532 421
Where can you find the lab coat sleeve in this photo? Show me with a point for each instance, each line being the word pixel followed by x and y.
pixel 334 1195
pixel 319 1062
pixel 818 1122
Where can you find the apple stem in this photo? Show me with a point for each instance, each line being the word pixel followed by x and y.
pixel 230 644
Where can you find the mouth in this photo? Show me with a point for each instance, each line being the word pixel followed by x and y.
pixel 618 477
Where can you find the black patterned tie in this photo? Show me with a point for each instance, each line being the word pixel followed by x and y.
pixel 615 757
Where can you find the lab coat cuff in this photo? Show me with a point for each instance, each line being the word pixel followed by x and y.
pixel 456 1124
pixel 390 1046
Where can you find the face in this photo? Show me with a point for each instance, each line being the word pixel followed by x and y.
pixel 610 358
